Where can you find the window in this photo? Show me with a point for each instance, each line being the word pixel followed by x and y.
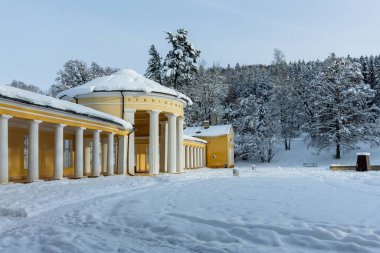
pixel 68 153
pixel 26 152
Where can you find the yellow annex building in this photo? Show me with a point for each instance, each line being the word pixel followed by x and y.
pixel 220 144
pixel 123 123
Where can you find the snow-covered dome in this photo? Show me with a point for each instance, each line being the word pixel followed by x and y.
pixel 123 80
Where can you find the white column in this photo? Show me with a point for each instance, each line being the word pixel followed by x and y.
pixel 187 153
pixel 122 168
pixel 87 157
pixel 95 154
pixel 191 157
pixel 110 147
pixel 200 157
pixel 172 144
pixel 129 115
pixel 4 177
pixel 204 157
pixel 163 146
pixel 33 150
pixel 78 168
pixel 196 158
pixel 58 154
pixel 154 163
pixel 180 156
pixel 104 166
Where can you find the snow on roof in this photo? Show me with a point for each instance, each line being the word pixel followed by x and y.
pixel 211 131
pixel 191 138
pixel 122 80
pixel 28 97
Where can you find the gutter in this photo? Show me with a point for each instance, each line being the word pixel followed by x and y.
pixel 122 105
pixel 128 146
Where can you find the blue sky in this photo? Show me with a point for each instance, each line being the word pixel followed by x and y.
pixel 37 37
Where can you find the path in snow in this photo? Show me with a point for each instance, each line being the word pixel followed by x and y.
pixel 274 209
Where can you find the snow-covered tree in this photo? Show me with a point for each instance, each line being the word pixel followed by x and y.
pixel 97 71
pixel 208 92
pixel 76 72
pixel 342 116
pixel 180 63
pixel 256 120
pixel 154 69
pixel 28 87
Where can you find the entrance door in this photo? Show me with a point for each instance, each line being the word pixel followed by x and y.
pixel 142 158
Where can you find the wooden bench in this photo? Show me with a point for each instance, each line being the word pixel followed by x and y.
pixel 310 164
pixel 337 167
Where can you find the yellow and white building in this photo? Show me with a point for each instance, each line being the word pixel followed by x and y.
pixel 220 144
pixel 43 138
pixel 123 123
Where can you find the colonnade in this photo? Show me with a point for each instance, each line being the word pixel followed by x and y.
pixel 166 151
pixel 80 151
pixel 195 157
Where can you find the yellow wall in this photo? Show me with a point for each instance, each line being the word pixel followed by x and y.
pixel 46 154
pixel 218 148
pixel 50 116
pixel 112 105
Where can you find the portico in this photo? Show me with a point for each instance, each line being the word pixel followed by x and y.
pixel 39 143
pixel 156 145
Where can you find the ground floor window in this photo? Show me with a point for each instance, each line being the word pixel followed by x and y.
pixel 26 152
pixel 68 153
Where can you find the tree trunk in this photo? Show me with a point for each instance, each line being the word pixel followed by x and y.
pixel 337 154
pixel 337 151
pixel 270 153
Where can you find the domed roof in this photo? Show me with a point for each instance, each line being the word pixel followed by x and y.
pixel 123 80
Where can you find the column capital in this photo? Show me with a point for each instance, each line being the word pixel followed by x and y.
pixel 80 128
pixel 129 110
pixel 60 125
pixel 111 133
pixel 154 112
pixel 4 116
pixel 97 131
pixel 34 121
pixel 171 115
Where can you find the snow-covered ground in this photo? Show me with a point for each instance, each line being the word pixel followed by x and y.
pixel 280 207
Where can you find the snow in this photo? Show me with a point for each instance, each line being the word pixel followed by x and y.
pixel 191 138
pixel 279 207
pixel 12 93
pixel 122 80
pixel 211 131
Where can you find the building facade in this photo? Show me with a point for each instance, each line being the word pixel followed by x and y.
pixel 43 138
pixel 123 123
pixel 220 144
pixel 157 143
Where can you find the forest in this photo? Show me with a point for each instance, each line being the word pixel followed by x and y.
pixel 334 101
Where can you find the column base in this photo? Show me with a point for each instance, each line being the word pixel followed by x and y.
pixel 95 176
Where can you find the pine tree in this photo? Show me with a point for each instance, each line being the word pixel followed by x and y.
pixel 24 86
pixel 154 69
pixel 208 92
pixel 342 116
pixel 75 73
pixel 179 65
